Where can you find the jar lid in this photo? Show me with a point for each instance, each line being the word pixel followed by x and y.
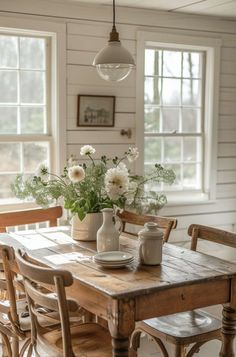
pixel 151 230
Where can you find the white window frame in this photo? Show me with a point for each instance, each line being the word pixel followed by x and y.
pixel 56 32
pixel 211 46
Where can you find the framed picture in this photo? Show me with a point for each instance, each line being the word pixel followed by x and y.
pixel 96 110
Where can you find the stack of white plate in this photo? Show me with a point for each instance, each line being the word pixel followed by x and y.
pixel 114 259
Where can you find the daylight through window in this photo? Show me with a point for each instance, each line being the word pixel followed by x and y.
pixel 24 107
pixel 173 107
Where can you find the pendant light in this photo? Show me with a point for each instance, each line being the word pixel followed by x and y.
pixel 114 62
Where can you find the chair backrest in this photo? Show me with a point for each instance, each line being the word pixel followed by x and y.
pixel 18 218
pixel 55 280
pixel 165 223
pixel 7 257
pixel 211 234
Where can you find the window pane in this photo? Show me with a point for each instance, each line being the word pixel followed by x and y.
pixel 9 157
pixel 152 90
pixel 8 51
pixel 152 62
pixel 32 87
pixel 170 119
pixel 5 186
pixel 191 65
pixel 191 120
pixel 34 154
pixel 32 120
pixel 172 149
pixel 32 53
pixel 8 120
pixel 190 149
pixel 173 105
pixel 152 119
pixel 171 64
pixel 8 88
pixel 189 176
pixel 152 150
pixel 178 182
pixel 171 91
pixel 191 92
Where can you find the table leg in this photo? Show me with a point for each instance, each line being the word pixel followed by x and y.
pixel 121 323
pixel 120 347
pixel 228 331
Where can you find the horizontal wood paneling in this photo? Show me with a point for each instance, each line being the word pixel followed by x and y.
pixel 94 44
pixel 89 28
pixel 99 136
pixel 227 136
pixel 87 75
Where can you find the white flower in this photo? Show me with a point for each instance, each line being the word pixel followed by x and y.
pixel 76 173
pixel 132 154
pixel 122 167
pixel 87 150
pixel 116 182
pixel 42 171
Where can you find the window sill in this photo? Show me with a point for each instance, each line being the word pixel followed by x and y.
pixel 188 199
pixel 14 204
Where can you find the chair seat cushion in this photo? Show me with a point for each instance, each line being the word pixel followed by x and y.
pixel 184 324
pixel 89 339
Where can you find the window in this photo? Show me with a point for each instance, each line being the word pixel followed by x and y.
pixel 25 109
pixel 177 95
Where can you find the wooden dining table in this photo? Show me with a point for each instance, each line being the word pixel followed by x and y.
pixel 185 280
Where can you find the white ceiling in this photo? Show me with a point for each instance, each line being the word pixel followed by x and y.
pixel 220 8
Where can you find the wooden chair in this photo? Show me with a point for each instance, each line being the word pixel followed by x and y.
pixel 7 288
pixel 14 325
pixel 193 327
pixel 165 223
pixel 18 218
pixel 87 339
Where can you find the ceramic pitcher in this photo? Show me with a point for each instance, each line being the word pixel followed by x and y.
pixel 150 244
pixel 108 234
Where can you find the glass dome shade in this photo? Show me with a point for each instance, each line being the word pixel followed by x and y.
pixel 114 62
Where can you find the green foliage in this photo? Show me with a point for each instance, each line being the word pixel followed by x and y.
pixel 90 193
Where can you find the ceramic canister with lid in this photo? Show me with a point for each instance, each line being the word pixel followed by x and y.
pixel 150 244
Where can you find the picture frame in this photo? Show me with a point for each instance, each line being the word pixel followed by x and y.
pixel 96 110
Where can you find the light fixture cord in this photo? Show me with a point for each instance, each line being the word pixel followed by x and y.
pixel 114 14
pixel 114 35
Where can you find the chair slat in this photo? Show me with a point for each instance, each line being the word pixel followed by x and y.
pixel 18 218
pixel 165 223
pixel 211 234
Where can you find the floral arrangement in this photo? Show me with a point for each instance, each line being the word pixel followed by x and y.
pixel 88 188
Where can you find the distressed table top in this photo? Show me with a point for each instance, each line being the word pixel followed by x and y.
pixel 179 267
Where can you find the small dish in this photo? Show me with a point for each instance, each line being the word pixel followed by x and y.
pixel 113 257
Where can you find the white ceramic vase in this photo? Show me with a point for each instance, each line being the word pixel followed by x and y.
pixel 108 234
pixel 86 230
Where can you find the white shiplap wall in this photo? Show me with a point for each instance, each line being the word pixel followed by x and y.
pixel 87 32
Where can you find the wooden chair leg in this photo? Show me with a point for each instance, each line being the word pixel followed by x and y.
pixel 6 346
pixel 179 351
pixel 15 347
pixel 161 346
pixel 24 347
pixel 135 342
